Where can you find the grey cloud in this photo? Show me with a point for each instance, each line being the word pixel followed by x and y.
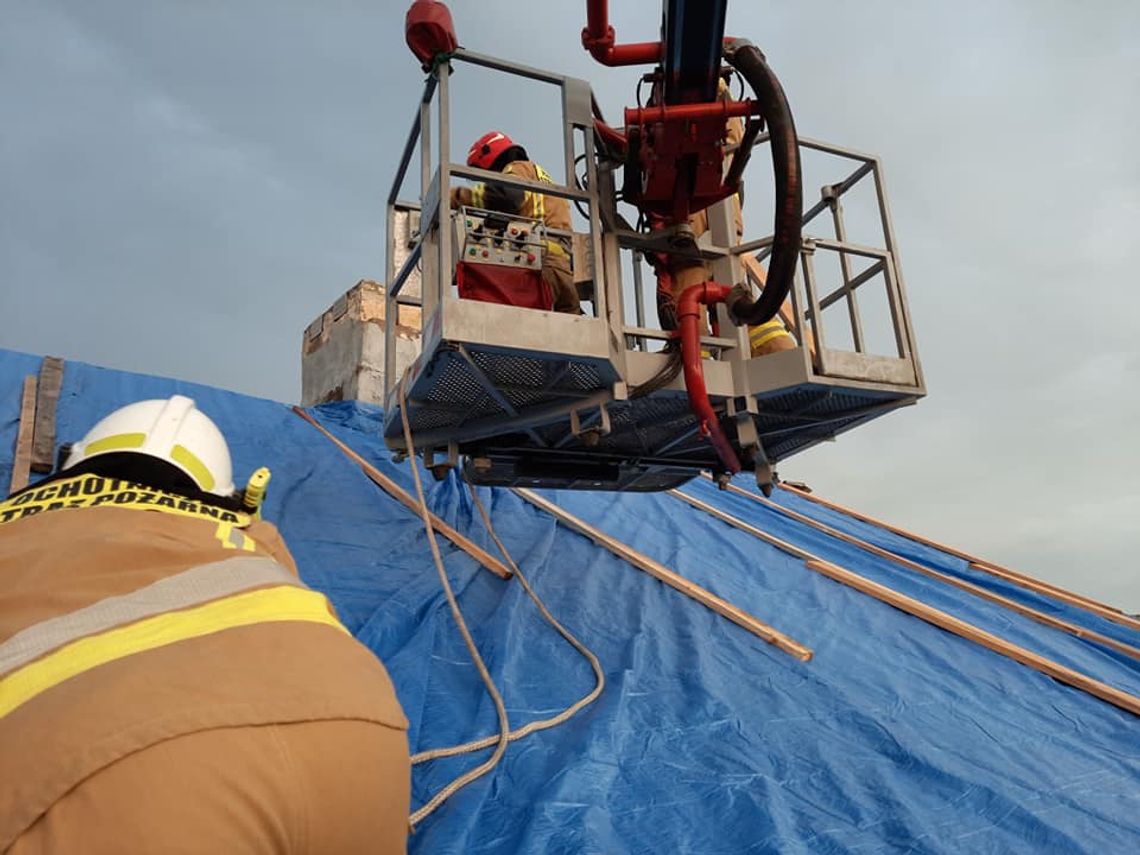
pixel 184 186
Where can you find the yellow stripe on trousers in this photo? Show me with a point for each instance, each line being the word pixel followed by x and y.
pixel 766 332
pixel 268 605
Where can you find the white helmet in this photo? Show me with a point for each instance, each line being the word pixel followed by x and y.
pixel 172 430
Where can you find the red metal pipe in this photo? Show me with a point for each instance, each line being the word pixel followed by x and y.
pixel 598 38
pixel 597 18
pixel 634 53
pixel 721 110
pixel 611 136
pixel 688 322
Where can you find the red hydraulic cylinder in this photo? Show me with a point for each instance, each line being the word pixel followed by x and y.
pixel 721 110
pixel 688 323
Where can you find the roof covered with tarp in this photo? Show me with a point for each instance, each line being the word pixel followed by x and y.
pixel 896 735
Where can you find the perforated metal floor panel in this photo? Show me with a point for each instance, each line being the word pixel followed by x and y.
pixel 468 392
pixel 509 413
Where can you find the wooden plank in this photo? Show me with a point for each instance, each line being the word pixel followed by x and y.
pixel 405 498
pixel 976 590
pixel 662 573
pixel 47 396
pixel 961 628
pixel 22 458
pixel 759 277
pixel 1020 579
pixel 941 619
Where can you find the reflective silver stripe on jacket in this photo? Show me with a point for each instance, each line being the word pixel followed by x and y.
pixel 190 588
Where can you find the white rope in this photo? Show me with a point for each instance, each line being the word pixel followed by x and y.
pixel 542 724
pixel 500 708
pixel 505 734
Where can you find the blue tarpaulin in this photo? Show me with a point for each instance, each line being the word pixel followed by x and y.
pixel 896 736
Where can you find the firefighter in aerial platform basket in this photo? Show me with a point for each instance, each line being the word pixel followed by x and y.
pixel 167 683
pixel 496 152
pixel 769 337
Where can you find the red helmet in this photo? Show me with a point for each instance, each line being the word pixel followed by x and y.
pixel 486 150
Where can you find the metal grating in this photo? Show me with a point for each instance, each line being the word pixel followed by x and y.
pixel 653 442
pixel 637 427
pixel 801 396
pixel 789 444
pixel 641 426
pixel 450 393
pixel 511 370
pixel 422 418
pixel 454 383
pixel 585 376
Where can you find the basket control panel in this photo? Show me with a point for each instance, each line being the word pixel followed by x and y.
pixel 488 237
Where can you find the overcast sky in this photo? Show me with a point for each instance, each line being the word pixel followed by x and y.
pixel 185 186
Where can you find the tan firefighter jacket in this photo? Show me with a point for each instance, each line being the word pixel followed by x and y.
pixel 129 616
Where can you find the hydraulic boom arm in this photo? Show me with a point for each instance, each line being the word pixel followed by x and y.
pixel 674 148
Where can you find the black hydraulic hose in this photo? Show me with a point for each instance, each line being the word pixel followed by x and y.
pixel 749 61
pixel 743 153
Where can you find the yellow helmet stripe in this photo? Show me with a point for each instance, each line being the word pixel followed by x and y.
pixel 180 454
pixel 116 442
pixel 189 461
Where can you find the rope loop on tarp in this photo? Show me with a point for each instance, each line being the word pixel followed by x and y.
pixel 496 698
pixel 505 734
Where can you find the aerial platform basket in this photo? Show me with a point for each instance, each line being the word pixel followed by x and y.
pixel 527 397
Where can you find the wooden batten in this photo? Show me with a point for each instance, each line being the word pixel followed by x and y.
pixel 918 609
pixel 673 580
pixel 47 397
pixel 403 497
pixel 1020 579
pixel 22 458
pixel 976 590
pixel 968 631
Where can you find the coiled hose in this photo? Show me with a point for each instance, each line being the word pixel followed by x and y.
pixel 753 67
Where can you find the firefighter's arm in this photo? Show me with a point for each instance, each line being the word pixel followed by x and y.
pixel 493 197
pixel 499 197
pixel 461 197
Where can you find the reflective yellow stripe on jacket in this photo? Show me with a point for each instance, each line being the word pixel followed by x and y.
pixel 555 246
pixel 539 200
pixel 263 605
pixel 761 334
